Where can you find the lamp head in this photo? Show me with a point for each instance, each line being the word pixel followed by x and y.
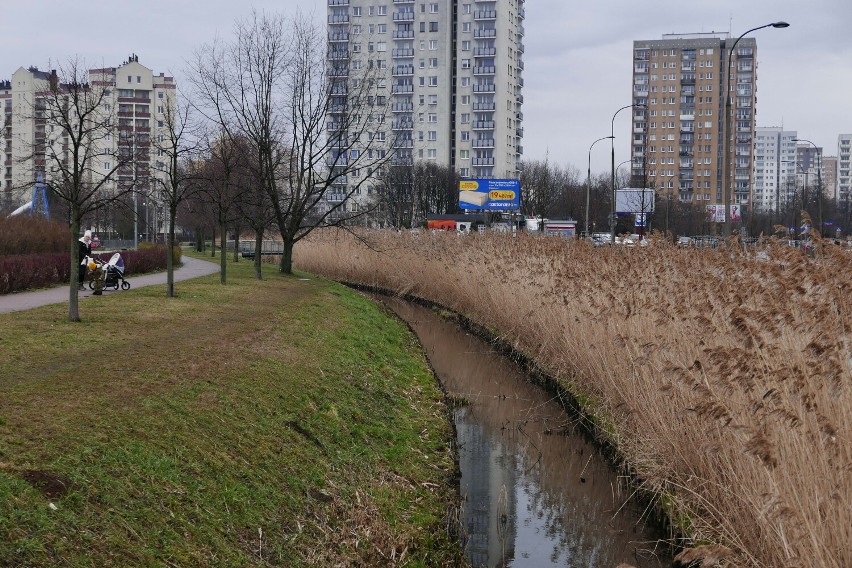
pixel 780 25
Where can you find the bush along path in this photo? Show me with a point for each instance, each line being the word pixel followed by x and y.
pixel 283 422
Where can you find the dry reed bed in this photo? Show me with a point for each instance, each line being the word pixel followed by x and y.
pixel 724 378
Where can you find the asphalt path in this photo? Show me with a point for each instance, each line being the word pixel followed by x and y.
pixel 191 268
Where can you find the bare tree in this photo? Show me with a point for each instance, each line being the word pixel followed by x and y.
pixel 75 150
pixel 219 180
pixel 176 150
pixel 319 131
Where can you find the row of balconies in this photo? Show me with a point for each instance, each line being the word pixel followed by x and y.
pixel 485 15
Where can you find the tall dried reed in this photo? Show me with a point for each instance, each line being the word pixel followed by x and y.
pixel 722 376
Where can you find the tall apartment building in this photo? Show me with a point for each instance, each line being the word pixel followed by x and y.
pixel 451 71
pixel 774 168
pixel 844 172
pixel 809 170
pixel 135 100
pixel 678 130
pixel 829 177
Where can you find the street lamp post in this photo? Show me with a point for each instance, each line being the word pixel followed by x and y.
pixel 804 173
pixel 589 180
pixel 726 141
pixel 612 187
pixel 819 180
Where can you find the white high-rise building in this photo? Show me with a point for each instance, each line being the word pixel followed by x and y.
pixel 134 100
pixel 844 172
pixel 774 168
pixel 452 74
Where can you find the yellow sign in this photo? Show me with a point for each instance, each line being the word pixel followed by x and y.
pixel 468 185
pixel 502 195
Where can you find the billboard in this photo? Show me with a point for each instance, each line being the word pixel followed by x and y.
pixel 490 194
pixel 716 213
pixel 634 200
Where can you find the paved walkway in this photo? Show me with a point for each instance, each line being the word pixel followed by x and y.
pixel 192 268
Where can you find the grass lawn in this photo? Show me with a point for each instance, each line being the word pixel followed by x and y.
pixel 283 422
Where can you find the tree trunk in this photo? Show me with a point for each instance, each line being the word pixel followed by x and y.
pixel 74 277
pixel 223 256
pixel 286 266
pixel 170 258
pixel 258 248
pixel 236 243
pixel 213 243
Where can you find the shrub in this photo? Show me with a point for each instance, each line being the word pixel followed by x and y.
pixel 20 272
pixel 31 235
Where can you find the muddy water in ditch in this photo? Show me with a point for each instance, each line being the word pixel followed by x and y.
pixel 535 492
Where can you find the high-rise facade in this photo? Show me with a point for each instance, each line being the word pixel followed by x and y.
pixel 450 72
pixel 844 172
pixel 774 168
pixel 133 108
pixel 679 119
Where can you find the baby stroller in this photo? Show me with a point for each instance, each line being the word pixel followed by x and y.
pixel 113 273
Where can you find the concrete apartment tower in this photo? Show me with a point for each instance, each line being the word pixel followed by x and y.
pixel 844 173
pixel 774 168
pixel 135 100
pixel 452 73
pixel 677 138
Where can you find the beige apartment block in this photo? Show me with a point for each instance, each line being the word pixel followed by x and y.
pixel 135 101
pixel 451 74
pixel 679 121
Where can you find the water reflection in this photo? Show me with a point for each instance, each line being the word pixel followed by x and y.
pixel 534 494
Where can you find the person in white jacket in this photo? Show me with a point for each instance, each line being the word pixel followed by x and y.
pixel 85 247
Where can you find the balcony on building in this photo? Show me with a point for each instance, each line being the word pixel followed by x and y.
pixel 404 143
pixel 403 70
pixel 483 107
pixel 339 71
pixel 520 47
pixel 482 125
pixel 338 36
pixel 403 34
pixel 745 53
pixel 482 161
pixel 402 89
pixel 687 79
pixel 402 107
pixel 519 132
pixel 335 197
pixel 403 52
pixel 482 143
pixel 485 88
pixel 486 32
pixel 485 70
pixel 485 52
pixel 403 1
pixel 335 19
pixel 338 54
pixel 338 2
pixel 404 16
pixel 402 125
pixel 485 15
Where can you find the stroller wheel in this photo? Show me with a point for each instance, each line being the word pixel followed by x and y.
pixel 125 285
pixel 91 284
pixel 115 287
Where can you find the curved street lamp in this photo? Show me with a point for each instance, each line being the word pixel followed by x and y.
pixel 819 180
pixel 612 187
pixel 726 169
pixel 589 180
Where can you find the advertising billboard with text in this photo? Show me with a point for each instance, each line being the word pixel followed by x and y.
pixel 490 194
pixel 634 200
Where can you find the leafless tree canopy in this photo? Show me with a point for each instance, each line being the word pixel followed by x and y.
pixel 315 127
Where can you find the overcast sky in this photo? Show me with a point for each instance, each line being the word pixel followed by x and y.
pixel 578 65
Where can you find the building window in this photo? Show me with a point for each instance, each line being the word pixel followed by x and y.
pixel 433 81
pixel 383 10
pixel 433 117
pixel 433 44
pixel 433 135
pixel 356 11
pixel 433 26
pixel 464 154
pixel 466 45
pixel 466 27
